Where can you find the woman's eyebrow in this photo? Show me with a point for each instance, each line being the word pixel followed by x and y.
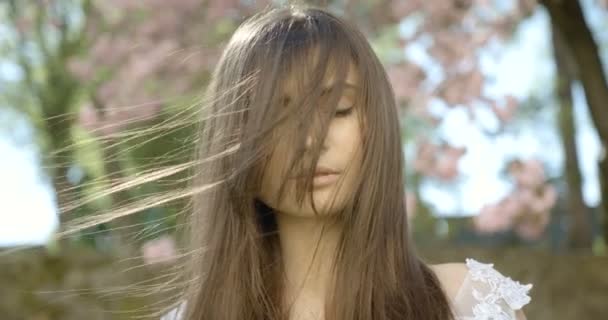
pixel 332 86
pixel 347 87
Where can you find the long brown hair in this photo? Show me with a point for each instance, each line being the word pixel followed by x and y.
pixel 236 273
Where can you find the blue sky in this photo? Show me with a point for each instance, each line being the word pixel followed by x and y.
pixel 523 67
pixel 27 207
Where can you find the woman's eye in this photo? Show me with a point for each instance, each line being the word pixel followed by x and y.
pixel 344 112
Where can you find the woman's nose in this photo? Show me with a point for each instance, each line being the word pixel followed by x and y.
pixel 313 132
pixel 309 141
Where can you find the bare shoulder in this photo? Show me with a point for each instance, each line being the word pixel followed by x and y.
pixel 451 276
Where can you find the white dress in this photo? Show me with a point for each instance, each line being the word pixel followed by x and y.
pixel 485 294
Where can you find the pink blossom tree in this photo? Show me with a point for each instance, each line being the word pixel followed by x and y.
pixel 527 208
pixel 454 32
pixel 147 63
pixel 140 58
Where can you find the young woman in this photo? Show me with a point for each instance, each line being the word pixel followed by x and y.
pixel 300 213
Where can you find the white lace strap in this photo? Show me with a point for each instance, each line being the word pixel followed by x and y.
pixel 176 313
pixel 487 294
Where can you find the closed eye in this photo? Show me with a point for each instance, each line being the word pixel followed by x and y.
pixel 344 112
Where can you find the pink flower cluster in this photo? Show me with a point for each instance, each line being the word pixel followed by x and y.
pixel 527 209
pixel 457 30
pixel 438 161
pixel 145 53
pixel 159 250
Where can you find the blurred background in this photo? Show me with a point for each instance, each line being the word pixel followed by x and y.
pixel 504 113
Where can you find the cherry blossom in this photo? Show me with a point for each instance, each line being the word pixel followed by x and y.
pixel 526 209
pixel 159 250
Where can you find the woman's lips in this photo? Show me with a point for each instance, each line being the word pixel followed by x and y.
pixel 324 179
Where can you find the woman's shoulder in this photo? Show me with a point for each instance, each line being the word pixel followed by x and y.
pixel 451 276
pixel 478 289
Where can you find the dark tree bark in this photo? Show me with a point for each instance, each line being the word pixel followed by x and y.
pixel 579 232
pixel 569 21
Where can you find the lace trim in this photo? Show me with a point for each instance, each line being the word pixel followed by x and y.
pixel 176 313
pixel 513 293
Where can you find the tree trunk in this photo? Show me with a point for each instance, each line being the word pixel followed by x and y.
pixel 579 231
pixel 603 166
pixel 59 160
pixel 568 19
pixel 119 227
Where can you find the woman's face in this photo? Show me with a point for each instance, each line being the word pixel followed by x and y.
pixel 340 154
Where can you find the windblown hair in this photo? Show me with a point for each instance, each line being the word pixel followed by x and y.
pixel 237 272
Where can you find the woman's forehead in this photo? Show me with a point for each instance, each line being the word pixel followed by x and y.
pixel 293 81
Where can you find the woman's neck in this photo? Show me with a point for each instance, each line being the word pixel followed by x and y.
pixel 308 273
